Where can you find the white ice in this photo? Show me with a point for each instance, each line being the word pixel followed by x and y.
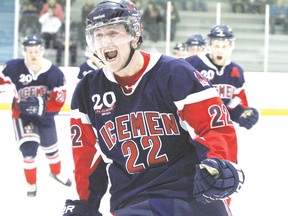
pixel 262 155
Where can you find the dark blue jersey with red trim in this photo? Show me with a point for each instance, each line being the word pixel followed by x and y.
pixel 150 138
pixel 48 83
pixel 228 80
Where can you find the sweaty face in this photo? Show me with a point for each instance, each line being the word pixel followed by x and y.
pixel 33 55
pixel 112 45
pixel 220 51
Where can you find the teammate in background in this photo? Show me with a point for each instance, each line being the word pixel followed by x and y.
pixel 92 63
pixel 179 50
pixel 195 44
pixel 39 96
pixel 225 75
pixel 166 138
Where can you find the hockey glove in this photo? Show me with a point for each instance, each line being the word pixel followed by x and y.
pixel 32 106
pixel 216 179
pixel 248 118
pixel 78 208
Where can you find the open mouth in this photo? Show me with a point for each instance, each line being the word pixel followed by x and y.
pixel 219 58
pixel 110 55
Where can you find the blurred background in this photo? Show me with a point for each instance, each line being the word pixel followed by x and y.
pixel 261 34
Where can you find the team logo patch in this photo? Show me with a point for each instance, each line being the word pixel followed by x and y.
pixel 201 79
pixel 105 111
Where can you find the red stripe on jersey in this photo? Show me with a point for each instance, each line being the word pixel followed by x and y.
pixel 223 146
pixel 83 143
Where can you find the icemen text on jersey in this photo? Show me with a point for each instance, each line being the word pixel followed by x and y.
pixel 48 83
pixel 132 132
pixel 228 81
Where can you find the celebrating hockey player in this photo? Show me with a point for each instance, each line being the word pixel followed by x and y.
pixel 39 96
pixel 148 128
pixel 225 75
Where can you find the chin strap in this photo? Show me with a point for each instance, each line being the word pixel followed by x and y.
pixel 130 56
pixel 94 54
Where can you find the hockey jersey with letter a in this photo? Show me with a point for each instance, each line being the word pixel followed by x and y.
pixel 229 80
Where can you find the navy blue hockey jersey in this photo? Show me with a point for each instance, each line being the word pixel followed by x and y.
pixel 229 80
pixel 49 83
pixel 86 68
pixel 172 118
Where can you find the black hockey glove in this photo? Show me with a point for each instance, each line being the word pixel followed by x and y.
pixel 216 179
pixel 248 118
pixel 78 208
pixel 32 106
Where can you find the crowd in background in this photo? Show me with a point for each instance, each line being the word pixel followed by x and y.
pixel 47 18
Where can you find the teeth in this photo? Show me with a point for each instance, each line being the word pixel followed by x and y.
pixel 109 50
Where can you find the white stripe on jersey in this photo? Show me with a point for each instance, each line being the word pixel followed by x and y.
pixel 76 114
pixel 197 97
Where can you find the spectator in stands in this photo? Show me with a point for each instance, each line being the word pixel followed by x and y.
pixel 184 5
pixel 86 8
pixel 175 18
pixel 199 5
pixel 73 42
pixel 278 16
pixel 51 18
pixel 28 23
pixel 239 6
pixel 257 6
pixel 152 19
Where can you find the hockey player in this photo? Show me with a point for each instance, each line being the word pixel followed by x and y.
pixel 225 75
pixel 149 127
pixel 92 63
pixel 179 50
pixel 195 44
pixel 39 96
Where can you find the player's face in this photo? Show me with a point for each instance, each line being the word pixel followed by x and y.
pixel 180 54
pixel 111 34
pixel 220 51
pixel 112 44
pixel 194 50
pixel 33 55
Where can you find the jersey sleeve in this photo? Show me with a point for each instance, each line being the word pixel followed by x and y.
pixel 56 93
pixel 87 159
pixel 204 115
pixel 6 84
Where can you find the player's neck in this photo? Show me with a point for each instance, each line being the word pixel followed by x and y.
pixel 35 68
pixel 134 66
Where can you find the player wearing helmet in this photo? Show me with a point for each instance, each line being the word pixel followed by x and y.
pixel 39 96
pixel 149 127
pixel 195 44
pixel 225 75
pixel 179 50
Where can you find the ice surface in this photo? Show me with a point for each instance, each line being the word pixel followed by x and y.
pixel 262 155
